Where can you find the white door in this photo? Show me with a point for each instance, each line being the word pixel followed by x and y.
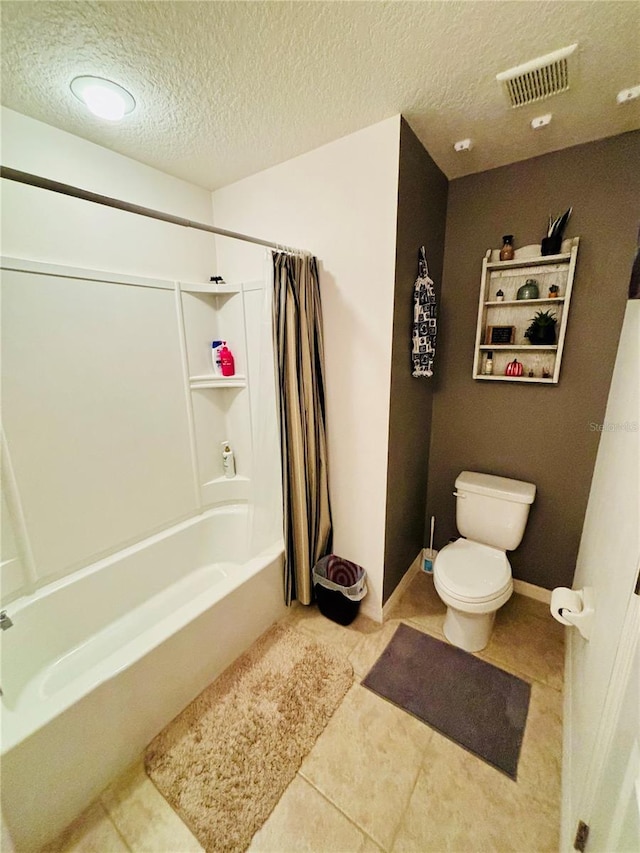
pixel 615 819
pixel 597 670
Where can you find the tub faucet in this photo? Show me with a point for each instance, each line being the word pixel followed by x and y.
pixel 5 622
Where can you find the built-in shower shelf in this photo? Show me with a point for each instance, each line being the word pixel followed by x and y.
pixel 218 407
pixel 226 489
pixel 212 381
pixel 211 288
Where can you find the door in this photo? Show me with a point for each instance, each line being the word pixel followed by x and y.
pixel 598 670
pixel 615 819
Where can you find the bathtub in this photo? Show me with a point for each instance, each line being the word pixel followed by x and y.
pixel 95 665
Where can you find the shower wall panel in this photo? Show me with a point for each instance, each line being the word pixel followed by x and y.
pixel 94 414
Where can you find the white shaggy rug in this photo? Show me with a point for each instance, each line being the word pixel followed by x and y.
pixel 226 760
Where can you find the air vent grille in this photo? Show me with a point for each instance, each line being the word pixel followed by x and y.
pixel 539 79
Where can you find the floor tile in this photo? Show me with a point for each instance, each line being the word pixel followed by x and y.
pixel 460 803
pixel 540 765
pixel 370 647
pixel 305 822
pixel 528 641
pixel 421 605
pixel 92 832
pixel 144 818
pixel 367 760
pixel 342 637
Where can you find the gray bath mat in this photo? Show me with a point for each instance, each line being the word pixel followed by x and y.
pixel 473 703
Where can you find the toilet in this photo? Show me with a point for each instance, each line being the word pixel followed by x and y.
pixel 472 575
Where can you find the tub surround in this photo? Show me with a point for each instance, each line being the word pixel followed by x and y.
pixel 116 405
pixel 132 554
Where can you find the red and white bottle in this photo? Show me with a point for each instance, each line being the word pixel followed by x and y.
pixel 227 362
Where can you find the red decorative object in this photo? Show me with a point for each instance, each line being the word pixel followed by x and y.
pixel 514 368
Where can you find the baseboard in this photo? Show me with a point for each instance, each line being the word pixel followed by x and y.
pixel 371 610
pixel 532 591
pixel 539 593
pixel 408 576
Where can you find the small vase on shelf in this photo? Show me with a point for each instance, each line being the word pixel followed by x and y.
pixel 529 290
pixel 507 250
pixel 551 245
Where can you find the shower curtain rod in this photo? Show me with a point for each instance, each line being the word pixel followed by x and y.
pixel 107 201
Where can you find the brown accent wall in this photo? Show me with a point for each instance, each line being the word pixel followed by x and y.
pixel 422 208
pixel 537 433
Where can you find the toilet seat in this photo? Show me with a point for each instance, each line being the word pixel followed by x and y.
pixel 473 573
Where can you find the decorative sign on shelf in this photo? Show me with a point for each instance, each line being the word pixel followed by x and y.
pixel 500 334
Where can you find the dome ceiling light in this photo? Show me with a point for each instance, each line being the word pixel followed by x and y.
pixel 103 98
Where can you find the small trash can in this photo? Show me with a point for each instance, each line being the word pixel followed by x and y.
pixel 339 586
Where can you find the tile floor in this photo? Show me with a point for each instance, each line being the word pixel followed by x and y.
pixel 377 779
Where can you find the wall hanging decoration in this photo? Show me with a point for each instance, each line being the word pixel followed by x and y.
pixel 424 320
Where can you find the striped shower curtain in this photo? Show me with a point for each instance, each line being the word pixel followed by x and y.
pixel 297 322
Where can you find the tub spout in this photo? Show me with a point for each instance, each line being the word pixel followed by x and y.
pixel 5 622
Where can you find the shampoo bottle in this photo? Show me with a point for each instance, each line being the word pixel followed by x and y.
pixel 228 461
pixel 227 362
pixel 216 346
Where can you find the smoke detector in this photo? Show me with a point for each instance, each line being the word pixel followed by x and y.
pixel 539 78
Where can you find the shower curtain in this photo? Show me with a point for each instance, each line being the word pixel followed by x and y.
pixel 297 322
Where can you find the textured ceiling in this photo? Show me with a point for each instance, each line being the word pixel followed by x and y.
pixel 225 89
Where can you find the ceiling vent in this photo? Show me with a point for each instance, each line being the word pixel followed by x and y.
pixel 538 79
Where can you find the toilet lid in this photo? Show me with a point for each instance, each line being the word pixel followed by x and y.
pixel 471 571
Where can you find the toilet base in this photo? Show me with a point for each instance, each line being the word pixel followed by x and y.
pixel 468 631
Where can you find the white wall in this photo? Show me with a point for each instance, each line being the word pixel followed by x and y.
pixel 44 226
pixel 339 202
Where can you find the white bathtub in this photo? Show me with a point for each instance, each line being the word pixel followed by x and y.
pixel 98 663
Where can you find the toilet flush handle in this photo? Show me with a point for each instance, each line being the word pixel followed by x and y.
pixel 459 495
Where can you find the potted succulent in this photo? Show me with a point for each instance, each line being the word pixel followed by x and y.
pixel 542 329
pixel 553 291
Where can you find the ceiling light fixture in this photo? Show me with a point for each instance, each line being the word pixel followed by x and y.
pixel 103 98
pixel 541 121
pixel 627 95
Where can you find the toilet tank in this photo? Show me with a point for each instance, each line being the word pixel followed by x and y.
pixel 492 510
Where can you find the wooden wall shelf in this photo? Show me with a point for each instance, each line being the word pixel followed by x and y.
pixel 541 363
